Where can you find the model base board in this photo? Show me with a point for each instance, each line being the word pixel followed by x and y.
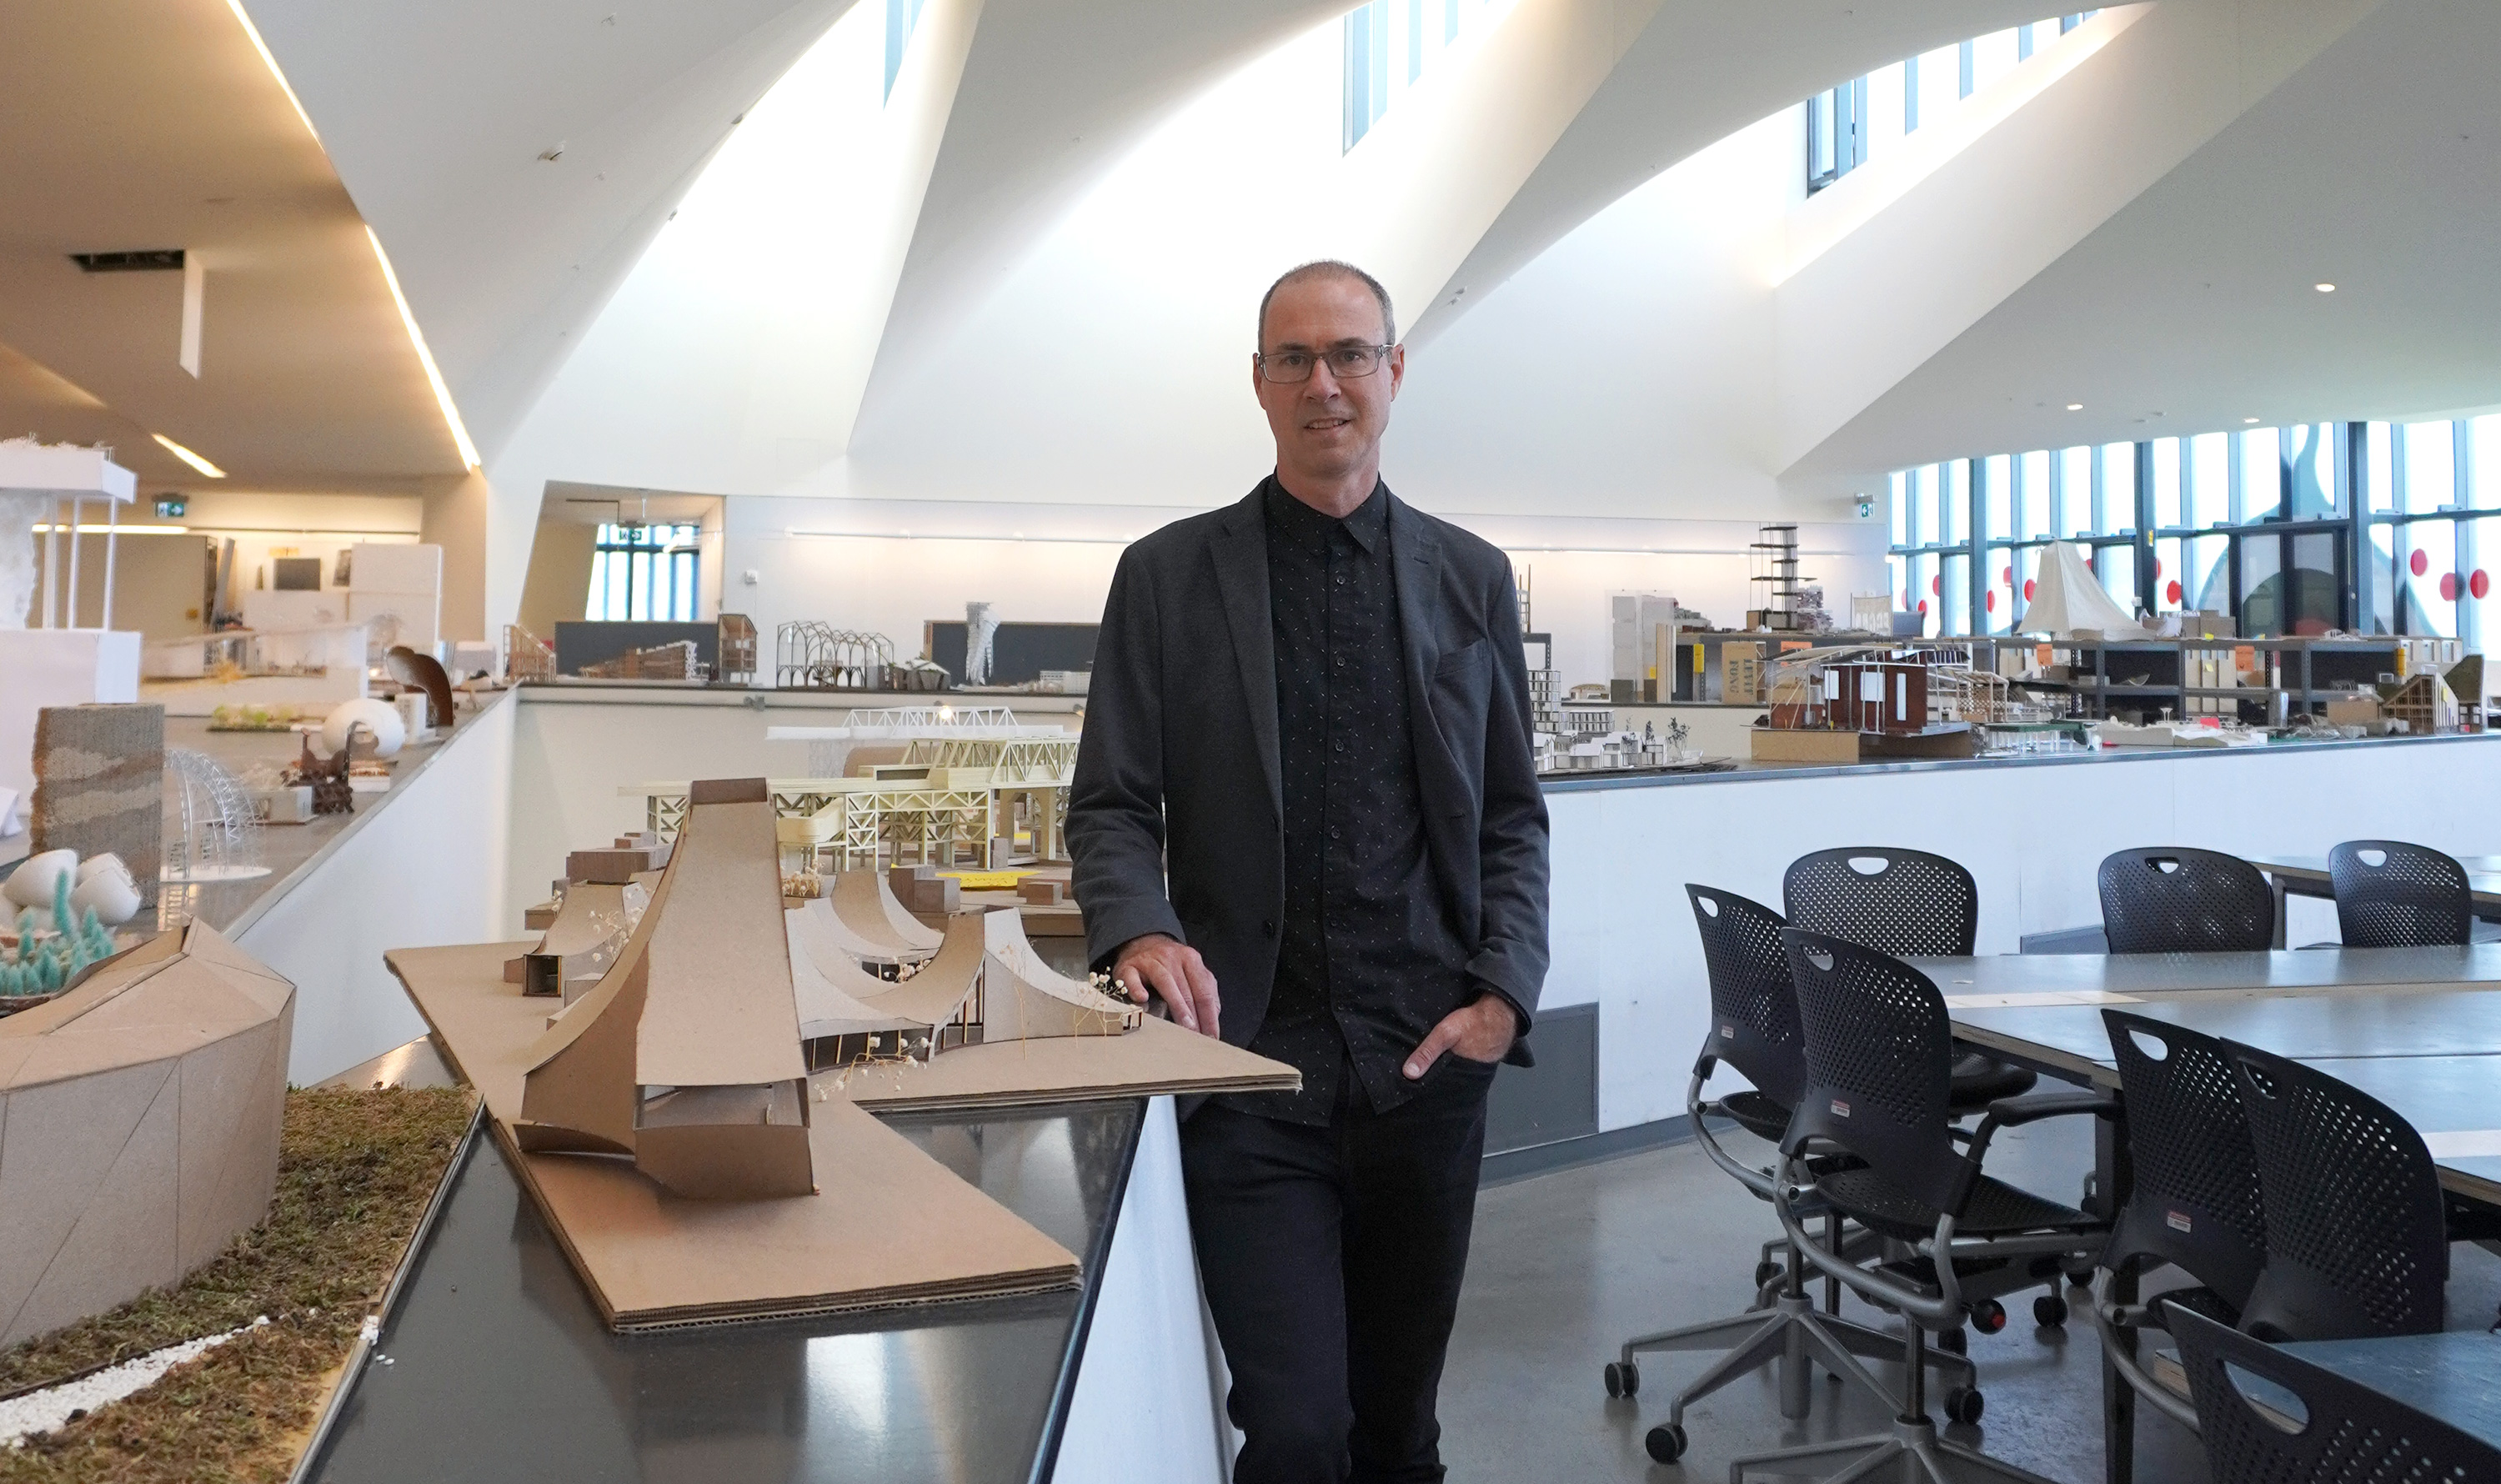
pixel 890 1228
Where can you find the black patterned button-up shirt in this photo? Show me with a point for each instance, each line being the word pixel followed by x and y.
pixel 1368 961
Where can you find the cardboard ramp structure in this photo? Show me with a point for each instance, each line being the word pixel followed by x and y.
pixel 664 1125
pixel 592 923
pixel 139 1125
pixel 868 907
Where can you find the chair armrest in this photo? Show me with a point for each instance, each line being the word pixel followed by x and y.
pixel 2015 1112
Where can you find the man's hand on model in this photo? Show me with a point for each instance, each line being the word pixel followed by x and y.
pixel 1480 1030
pixel 1177 973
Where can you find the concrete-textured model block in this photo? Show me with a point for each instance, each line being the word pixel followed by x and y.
pixel 100 786
pixel 139 1125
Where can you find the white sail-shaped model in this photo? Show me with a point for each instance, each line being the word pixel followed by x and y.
pixel 2066 599
pixel 687 1053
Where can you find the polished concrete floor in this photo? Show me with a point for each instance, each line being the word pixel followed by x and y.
pixel 1567 1266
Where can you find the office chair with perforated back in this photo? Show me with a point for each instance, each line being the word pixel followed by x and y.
pixel 1879 1057
pixel 1911 904
pixel 2170 900
pixel 2356 1228
pixel 2392 894
pixel 2194 1204
pixel 1754 1029
pixel 2347 1433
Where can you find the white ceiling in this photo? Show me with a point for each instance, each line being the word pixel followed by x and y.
pixel 154 123
pixel 437 112
pixel 1699 72
pixel 1052 95
pixel 2377 168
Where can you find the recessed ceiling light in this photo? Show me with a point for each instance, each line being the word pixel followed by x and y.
pixel 2074 407
pixel 2248 419
pixel 189 457
pixel 2324 288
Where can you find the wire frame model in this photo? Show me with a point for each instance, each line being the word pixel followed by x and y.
pixel 216 828
pixel 811 654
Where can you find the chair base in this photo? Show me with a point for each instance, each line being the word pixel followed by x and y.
pixel 1793 1333
pixel 1910 1453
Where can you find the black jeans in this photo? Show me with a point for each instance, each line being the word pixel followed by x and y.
pixel 1332 1258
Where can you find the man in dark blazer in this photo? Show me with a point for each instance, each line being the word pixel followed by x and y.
pixel 1306 817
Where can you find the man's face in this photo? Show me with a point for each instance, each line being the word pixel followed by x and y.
pixel 1326 427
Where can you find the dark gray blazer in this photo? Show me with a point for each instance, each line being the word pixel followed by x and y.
pixel 1176 815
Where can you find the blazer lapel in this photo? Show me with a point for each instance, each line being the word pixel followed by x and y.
pixel 1416 548
pixel 1240 549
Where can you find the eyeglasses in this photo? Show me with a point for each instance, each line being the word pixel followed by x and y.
pixel 1344 361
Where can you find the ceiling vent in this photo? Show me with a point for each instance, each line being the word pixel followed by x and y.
pixel 145 261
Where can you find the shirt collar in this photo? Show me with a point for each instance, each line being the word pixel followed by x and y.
pixel 1368 523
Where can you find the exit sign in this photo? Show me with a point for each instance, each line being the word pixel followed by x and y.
pixel 171 509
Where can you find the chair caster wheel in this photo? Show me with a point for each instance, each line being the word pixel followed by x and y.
pixel 1988 1316
pixel 1964 1404
pixel 2049 1311
pixel 1956 1340
pixel 1623 1378
pixel 2083 1279
pixel 1765 1272
pixel 1665 1443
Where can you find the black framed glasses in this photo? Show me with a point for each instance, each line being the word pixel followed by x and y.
pixel 1344 362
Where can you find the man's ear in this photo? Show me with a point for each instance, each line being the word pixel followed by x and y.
pixel 1397 369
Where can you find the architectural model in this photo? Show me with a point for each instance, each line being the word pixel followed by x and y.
pixel 663 1116
pixel 139 1125
pixel 685 1054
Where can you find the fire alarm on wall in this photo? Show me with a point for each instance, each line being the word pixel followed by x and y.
pixel 750 577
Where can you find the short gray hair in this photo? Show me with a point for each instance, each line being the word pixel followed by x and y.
pixel 1331 267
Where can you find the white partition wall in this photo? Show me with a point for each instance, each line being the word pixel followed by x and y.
pixel 2032 833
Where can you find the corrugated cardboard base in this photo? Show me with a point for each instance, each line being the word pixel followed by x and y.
pixel 892 1227
pixel 1158 1056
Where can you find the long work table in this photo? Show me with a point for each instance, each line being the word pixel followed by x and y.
pixel 2420 1028
pixel 2307 876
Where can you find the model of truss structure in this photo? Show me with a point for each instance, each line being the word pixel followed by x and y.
pixel 814 656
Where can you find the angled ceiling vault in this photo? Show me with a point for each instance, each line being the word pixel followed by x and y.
pixel 516 158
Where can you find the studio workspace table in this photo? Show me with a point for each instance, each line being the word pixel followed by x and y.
pixel 2419 1029
pixel 2307 876
pixel 2448 1376
pixel 493 1365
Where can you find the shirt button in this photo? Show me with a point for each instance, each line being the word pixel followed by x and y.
pixel 1341 579
pixel 1339 744
pixel 1332 831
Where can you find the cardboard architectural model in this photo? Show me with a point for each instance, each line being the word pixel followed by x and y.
pixel 665 1124
pixel 139 1125
pixel 984 984
pixel 685 1054
pixel 591 923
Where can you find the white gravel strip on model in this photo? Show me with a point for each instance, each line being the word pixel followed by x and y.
pixel 41 1411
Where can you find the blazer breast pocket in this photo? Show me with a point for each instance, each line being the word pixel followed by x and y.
pixel 1462 696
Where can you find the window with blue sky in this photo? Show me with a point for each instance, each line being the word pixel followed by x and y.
pixel 1848 125
pixel 901 18
pixel 1390 43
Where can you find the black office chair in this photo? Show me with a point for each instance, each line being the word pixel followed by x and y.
pixel 2194 1204
pixel 1754 1029
pixel 1910 905
pixel 1880 1059
pixel 2167 899
pixel 2356 1228
pixel 2348 1433
pixel 2391 894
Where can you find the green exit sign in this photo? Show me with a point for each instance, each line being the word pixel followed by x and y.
pixel 171 509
